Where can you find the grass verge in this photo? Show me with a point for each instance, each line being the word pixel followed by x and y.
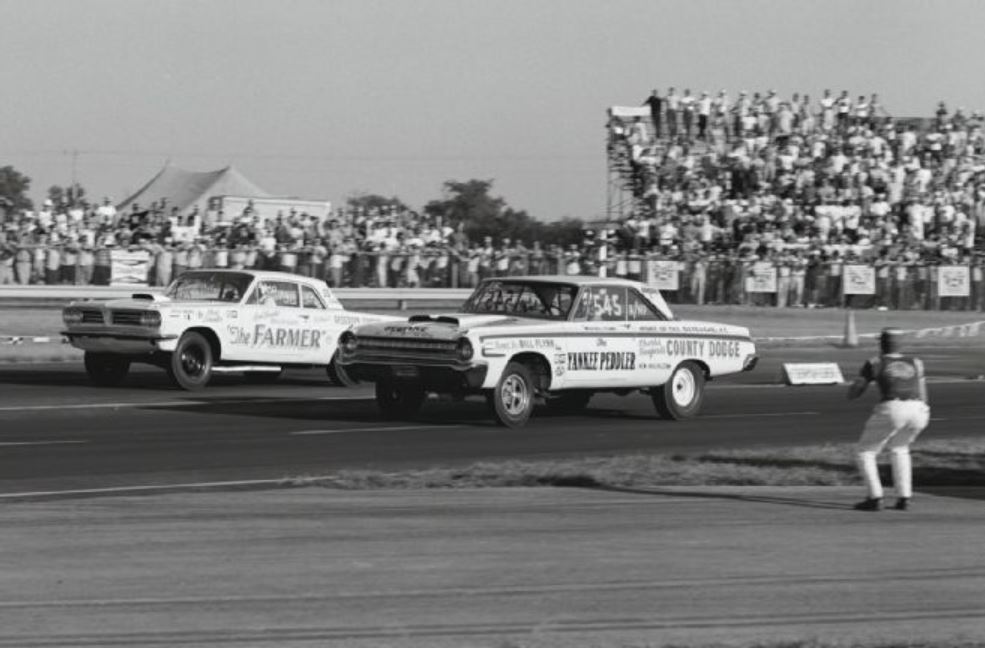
pixel 938 463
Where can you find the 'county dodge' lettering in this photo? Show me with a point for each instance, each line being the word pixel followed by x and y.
pixel 602 361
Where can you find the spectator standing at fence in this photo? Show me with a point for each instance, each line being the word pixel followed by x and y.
pixel 655 103
pixel 7 254
pixel 704 110
pixel 673 102
pixel 22 261
pixel 896 422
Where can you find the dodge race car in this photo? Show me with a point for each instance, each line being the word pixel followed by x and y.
pixel 215 321
pixel 518 340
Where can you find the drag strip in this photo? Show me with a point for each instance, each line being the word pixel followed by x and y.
pixel 58 433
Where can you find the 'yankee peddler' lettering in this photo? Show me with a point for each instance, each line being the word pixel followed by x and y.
pixel 286 337
pixel 602 361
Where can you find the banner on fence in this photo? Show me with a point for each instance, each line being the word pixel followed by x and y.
pixel 860 280
pixel 663 275
pixel 953 281
pixel 129 268
pixel 762 278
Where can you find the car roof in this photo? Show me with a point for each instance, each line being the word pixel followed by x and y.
pixel 579 280
pixel 263 274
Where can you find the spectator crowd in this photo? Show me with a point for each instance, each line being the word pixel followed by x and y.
pixel 719 186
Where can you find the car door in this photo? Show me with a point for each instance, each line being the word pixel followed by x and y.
pixel 602 352
pixel 277 334
pixel 647 324
pixel 322 325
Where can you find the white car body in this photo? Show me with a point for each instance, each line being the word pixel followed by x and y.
pixel 616 335
pixel 266 321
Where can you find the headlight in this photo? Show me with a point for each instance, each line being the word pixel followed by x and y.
pixel 150 318
pixel 348 342
pixel 72 315
pixel 464 350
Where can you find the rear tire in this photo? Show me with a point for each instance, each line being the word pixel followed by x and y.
pixel 569 402
pixel 190 366
pixel 106 369
pixel 682 395
pixel 338 375
pixel 399 399
pixel 512 400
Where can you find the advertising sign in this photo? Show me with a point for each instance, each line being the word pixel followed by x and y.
pixel 762 278
pixel 860 280
pixel 953 281
pixel 129 268
pixel 662 275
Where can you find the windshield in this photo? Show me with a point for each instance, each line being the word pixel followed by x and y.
pixel 534 299
pixel 210 286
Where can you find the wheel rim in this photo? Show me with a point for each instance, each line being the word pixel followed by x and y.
pixel 193 361
pixel 515 395
pixel 684 387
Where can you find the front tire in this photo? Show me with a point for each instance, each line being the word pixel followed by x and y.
pixel 681 396
pixel 399 399
pixel 338 375
pixel 512 400
pixel 190 366
pixel 106 369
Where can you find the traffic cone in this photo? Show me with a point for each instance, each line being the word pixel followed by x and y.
pixel 851 335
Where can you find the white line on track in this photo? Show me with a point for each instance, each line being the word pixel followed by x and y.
pixel 758 415
pixel 131 490
pixel 395 428
pixel 175 403
pixel 37 443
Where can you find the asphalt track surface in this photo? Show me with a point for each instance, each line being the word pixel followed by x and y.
pixel 58 433
pixel 488 567
pixel 524 568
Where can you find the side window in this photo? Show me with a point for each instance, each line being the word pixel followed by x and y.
pixel 275 293
pixel 638 310
pixel 602 304
pixel 310 299
pixel 285 294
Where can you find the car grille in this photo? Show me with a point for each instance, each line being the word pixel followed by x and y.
pixel 126 317
pixel 92 316
pixel 387 350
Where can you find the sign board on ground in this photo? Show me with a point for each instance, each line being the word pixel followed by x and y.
pixel 812 373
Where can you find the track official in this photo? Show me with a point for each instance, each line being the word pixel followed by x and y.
pixel 901 415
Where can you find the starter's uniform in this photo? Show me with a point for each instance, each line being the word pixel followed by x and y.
pixel 895 422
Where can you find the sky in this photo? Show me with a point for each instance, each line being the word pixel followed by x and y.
pixel 325 99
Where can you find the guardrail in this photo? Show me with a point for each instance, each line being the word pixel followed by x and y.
pixel 52 295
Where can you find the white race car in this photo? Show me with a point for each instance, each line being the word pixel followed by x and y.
pixel 215 321
pixel 560 339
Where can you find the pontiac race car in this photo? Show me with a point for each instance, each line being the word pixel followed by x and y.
pixel 215 321
pixel 519 340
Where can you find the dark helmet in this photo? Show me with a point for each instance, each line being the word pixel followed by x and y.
pixel 889 340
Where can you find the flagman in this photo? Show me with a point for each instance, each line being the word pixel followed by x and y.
pixel 901 415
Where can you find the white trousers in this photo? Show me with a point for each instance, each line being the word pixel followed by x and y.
pixel 894 424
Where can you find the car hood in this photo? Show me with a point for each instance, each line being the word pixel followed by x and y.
pixel 143 303
pixel 444 326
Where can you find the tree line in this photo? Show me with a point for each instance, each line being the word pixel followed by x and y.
pixel 470 202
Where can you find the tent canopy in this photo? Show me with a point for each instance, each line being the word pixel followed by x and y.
pixel 189 189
